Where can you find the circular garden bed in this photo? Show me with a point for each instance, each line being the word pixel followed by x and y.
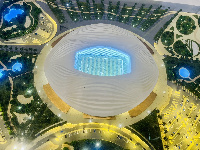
pixel 185 25
pixel 167 38
pixel 181 49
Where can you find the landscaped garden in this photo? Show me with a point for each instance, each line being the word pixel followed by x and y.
pixel 162 29
pixel 181 49
pixel 73 14
pixel 167 38
pixel 126 14
pixel 113 10
pixel 149 128
pixel 185 25
pixel 85 9
pixel 24 120
pixel 173 64
pixel 142 12
pixel 178 43
pixel 56 11
pixel 155 16
pixel 98 10
pixel 24 22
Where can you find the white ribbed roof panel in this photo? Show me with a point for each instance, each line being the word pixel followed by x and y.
pixel 101 95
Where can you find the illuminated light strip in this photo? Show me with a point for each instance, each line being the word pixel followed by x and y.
pixel 102 61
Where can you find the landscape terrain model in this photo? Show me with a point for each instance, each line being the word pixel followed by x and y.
pixel 99 75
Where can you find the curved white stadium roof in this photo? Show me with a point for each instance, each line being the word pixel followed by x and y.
pixel 101 95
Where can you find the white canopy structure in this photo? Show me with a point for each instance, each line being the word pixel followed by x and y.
pixel 101 95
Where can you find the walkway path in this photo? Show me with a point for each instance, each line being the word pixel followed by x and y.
pixel 88 131
pixel 181 116
pixel 192 80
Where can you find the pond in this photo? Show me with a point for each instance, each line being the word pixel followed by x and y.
pixel 12 14
pixel 184 73
pixel 102 61
pixel 17 67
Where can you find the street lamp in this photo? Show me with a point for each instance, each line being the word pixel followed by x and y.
pixel 148 111
pixel 97 144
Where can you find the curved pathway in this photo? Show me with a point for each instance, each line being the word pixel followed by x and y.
pixel 192 80
pixel 71 132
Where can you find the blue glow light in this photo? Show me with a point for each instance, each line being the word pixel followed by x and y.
pixel 102 61
pixel 12 14
pixel 17 67
pixel 184 73
pixel 1 74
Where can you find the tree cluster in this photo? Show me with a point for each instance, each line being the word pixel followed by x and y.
pixel 56 11
pixel 19 21
pixel 160 32
pixel 153 18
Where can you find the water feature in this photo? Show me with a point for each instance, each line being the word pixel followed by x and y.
pixel 12 14
pixel 1 74
pixel 184 73
pixel 17 67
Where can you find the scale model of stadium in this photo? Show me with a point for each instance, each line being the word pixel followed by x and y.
pixel 101 70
